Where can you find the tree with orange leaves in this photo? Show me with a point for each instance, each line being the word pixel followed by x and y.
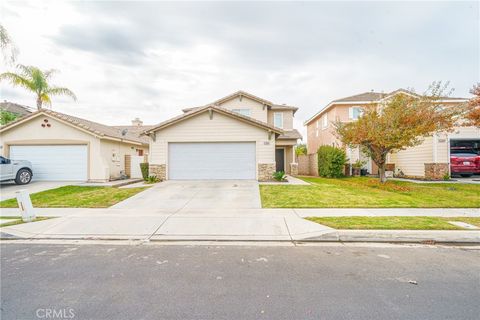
pixel 398 123
pixel 473 113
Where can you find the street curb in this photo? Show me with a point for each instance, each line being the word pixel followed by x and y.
pixel 325 240
pixel 405 236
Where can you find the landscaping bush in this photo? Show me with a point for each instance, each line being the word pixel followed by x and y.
pixel 152 179
pixel 279 176
pixel 331 162
pixel 144 168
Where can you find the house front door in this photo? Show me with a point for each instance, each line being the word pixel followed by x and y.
pixel 280 159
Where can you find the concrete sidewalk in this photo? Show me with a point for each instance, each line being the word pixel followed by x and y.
pixel 186 225
pixel 217 225
pixel 303 213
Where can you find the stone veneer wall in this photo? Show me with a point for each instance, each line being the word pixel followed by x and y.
pixel 158 170
pixel 265 171
pixel 436 171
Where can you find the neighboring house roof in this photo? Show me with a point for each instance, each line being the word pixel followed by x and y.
pixel 239 93
pixel 15 108
pixel 366 96
pixel 95 128
pixel 134 130
pixel 287 135
pixel 218 109
pixel 373 97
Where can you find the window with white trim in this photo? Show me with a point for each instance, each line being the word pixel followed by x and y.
pixel 325 121
pixel 354 113
pixel 245 112
pixel 278 119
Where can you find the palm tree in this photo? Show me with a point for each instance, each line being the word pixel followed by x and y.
pixel 8 48
pixel 36 80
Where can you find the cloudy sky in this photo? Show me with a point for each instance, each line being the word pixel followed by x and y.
pixel 150 59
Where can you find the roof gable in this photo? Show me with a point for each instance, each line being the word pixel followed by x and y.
pixel 213 108
pixel 91 127
pixel 240 94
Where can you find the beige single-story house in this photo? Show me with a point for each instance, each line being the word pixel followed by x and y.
pixel 68 148
pixel 240 136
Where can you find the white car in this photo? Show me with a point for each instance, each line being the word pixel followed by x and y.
pixel 18 170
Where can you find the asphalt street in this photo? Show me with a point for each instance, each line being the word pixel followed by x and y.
pixel 109 281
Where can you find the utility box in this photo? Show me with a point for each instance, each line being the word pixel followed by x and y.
pixel 25 205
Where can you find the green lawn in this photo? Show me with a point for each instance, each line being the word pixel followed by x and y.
pixel 393 223
pixel 77 197
pixel 364 192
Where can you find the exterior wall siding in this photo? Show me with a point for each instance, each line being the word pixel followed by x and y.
pixel 412 160
pixel 256 108
pixel 317 135
pixel 287 118
pixel 113 155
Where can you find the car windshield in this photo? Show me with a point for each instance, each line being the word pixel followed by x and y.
pixel 463 154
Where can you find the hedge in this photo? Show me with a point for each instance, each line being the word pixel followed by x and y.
pixel 144 168
pixel 331 162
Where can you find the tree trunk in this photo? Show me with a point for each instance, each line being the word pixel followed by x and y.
pixel 39 103
pixel 381 172
pixel 379 156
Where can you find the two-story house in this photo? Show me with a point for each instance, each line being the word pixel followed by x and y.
pixel 427 160
pixel 240 136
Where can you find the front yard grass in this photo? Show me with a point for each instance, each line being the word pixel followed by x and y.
pixel 393 223
pixel 365 192
pixel 77 197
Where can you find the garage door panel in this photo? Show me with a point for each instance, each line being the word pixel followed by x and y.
pixel 219 160
pixel 55 162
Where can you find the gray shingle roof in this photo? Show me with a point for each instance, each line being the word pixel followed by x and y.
pixel 15 108
pixel 371 97
pixel 199 110
pixel 90 126
pixel 366 96
pixel 291 134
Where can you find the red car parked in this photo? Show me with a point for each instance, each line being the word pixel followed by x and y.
pixel 465 163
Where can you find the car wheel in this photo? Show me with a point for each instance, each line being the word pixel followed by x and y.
pixel 24 176
pixel 466 175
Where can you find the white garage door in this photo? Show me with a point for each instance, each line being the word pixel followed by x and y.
pixel 217 160
pixel 55 162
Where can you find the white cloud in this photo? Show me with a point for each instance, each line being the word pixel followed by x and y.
pixel 151 59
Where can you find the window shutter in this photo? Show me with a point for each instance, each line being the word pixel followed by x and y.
pixel 350 113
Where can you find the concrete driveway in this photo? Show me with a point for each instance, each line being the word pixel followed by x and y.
pixel 210 194
pixel 8 189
